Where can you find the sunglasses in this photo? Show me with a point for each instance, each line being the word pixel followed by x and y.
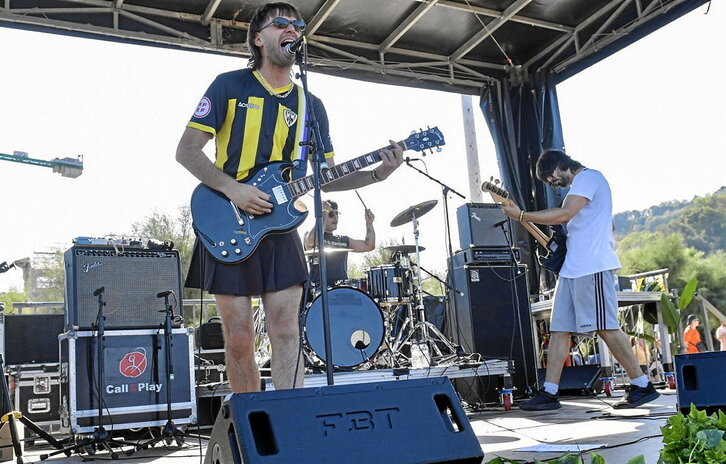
pixel 332 213
pixel 282 23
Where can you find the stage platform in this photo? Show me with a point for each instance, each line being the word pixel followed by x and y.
pixel 582 420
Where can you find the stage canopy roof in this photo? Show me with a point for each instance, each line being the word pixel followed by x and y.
pixel 452 45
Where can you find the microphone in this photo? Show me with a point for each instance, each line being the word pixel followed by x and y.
pixel 164 293
pixel 500 223
pixel 98 291
pixel 294 46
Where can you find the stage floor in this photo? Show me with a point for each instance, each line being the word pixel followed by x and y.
pixel 582 420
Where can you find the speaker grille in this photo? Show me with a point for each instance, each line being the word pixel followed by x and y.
pixel 131 280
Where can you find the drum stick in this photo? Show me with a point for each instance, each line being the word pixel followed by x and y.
pixel 361 200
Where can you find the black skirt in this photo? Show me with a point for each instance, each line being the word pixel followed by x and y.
pixel 278 263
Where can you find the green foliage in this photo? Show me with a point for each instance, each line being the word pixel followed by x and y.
pixel 10 297
pixel 162 226
pixel 687 294
pixel 695 438
pixel 567 459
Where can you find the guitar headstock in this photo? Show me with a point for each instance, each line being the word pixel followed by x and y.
pixel 424 140
pixel 499 194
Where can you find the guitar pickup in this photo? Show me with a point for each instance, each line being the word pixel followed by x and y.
pixel 279 193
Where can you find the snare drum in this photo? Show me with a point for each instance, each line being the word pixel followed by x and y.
pixel 356 327
pixel 390 283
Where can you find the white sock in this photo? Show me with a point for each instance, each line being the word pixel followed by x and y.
pixel 641 381
pixel 551 388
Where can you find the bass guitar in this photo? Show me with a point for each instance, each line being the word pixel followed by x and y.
pixel 231 235
pixel 554 247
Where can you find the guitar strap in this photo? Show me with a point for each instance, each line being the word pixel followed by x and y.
pixel 300 157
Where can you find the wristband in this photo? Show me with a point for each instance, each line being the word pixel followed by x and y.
pixel 521 216
pixel 374 176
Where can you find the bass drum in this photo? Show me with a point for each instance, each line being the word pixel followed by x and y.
pixel 356 327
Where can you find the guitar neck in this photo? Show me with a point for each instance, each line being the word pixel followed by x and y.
pixel 301 186
pixel 502 196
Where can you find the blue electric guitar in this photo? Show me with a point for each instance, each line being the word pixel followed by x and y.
pixel 231 235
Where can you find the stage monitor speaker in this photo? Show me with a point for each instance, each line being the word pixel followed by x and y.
pixel 405 421
pixel 131 279
pixel 477 225
pixel 31 338
pixel 489 322
pixel 579 380
pixel 700 379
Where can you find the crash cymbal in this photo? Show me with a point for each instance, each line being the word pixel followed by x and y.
pixel 327 251
pixel 403 249
pixel 415 210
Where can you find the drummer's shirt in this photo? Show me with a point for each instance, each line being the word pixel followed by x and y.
pixel 336 263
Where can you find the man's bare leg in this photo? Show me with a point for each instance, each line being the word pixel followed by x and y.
pixel 619 346
pixel 239 342
pixel 283 328
pixel 557 353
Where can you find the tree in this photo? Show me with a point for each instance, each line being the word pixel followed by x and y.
pixel 162 226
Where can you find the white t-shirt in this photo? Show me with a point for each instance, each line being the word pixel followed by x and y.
pixel 590 246
pixel 720 332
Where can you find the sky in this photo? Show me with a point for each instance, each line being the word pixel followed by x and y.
pixel 650 117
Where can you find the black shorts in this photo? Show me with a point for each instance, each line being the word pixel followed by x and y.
pixel 278 263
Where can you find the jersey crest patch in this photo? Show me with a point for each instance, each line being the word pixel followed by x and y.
pixel 290 117
pixel 203 108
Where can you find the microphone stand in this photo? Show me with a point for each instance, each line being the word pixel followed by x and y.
pixel 451 286
pixel 169 433
pixel 316 147
pixel 516 274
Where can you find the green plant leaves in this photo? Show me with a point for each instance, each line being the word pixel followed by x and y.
pixel 695 438
pixel 710 438
pixel 687 294
pixel 670 313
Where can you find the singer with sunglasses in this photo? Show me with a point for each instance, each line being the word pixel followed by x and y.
pixel 337 261
pixel 257 116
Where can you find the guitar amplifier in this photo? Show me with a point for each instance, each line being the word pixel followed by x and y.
pixel 477 225
pixel 486 255
pixel 131 279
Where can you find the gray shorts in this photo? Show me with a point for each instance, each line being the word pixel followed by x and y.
pixel 585 304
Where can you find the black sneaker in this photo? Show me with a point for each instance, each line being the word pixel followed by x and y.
pixel 541 401
pixel 636 396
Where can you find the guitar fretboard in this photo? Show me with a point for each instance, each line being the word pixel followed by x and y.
pixel 302 186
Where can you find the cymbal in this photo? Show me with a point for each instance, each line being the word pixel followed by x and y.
pixel 403 249
pixel 416 210
pixel 327 250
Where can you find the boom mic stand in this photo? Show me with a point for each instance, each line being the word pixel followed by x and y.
pixel 451 285
pixel 169 433
pixel 316 147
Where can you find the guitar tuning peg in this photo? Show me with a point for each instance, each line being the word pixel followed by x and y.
pixel 413 132
pixel 496 181
pixel 439 149
pixel 491 178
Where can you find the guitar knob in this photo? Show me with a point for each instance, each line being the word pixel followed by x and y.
pixel 233 242
pixel 225 253
pixel 238 251
pixel 247 241
pixel 221 243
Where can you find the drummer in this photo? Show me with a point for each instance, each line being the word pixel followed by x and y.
pixel 337 261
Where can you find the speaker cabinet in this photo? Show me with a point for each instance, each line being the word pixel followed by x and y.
pixel 490 320
pixel 131 279
pixel 700 379
pixel 405 421
pixel 477 225
pixel 578 380
pixel 31 338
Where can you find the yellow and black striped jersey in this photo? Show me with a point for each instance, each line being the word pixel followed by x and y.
pixel 252 127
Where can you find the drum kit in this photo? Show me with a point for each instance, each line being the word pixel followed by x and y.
pixel 379 321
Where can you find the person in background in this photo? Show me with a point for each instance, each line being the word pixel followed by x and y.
pixel 337 261
pixel 721 335
pixel 692 337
